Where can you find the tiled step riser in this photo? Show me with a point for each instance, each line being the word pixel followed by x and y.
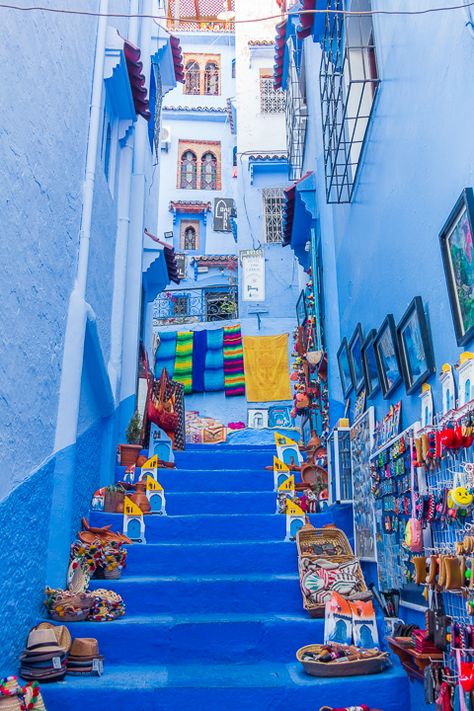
pixel 310 694
pixel 211 642
pixel 211 558
pixel 196 596
pixel 220 503
pixel 199 480
pixel 221 460
pixel 191 529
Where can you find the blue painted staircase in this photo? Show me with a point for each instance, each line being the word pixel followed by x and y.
pixel 214 611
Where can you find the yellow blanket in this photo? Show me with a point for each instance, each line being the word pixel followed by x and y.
pixel 266 368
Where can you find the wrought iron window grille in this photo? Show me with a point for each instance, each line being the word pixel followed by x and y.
pixel 188 171
pixel 296 115
pixel 198 305
pixel 272 101
pixel 201 83
pixel 348 84
pixel 273 203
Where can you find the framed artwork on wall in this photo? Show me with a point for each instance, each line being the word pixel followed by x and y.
pixel 457 251
pixel 416 351
pixel 257 419
pixel 345 369
pixel 355 351
pixel 388 359
pixel 301 312
pixel 369 362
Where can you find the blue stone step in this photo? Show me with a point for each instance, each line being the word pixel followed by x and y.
pixel 220 502
pixel 198 480
pixel 265 686
pixel 208 558
pixel 206 527
pixel 225 459
pixel 198 593
pixel 218 638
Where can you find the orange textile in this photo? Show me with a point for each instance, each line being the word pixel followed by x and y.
pixel 266 368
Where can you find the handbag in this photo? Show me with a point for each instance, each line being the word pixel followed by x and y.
pixel 160 409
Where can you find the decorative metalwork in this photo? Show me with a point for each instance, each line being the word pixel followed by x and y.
pixel 272 101
pixel 218 303
pixel 296 115
pixel 273 203
pixel 190 238
pixel 188 171
pixel 199 82
pixel 348 84
pixel 208 171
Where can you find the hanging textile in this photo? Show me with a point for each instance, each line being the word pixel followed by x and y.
pixel 166 353
pixel 266 368
pixel 199 360
pixel 234 378
pixel 214 363
pixel 179 439
pixel 183 364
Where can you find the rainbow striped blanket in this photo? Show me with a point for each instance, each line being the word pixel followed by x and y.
pixel 234 377
pixel 183 364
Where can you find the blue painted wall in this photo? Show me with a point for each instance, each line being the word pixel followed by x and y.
pixel 382 250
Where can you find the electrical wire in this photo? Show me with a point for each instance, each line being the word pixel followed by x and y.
pixel 194 20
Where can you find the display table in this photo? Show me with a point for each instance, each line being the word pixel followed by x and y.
pixel 412 661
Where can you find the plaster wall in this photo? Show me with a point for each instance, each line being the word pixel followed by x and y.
pixel 383 248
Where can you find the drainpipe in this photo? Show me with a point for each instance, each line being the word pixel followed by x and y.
pixel 133 295
pixel 73 355
pixel 120 269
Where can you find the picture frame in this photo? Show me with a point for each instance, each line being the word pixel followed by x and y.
pixel 388 357
pixel 257 418
pixel 416 349
pixel 301 310
pixel 456 243
pixel 369 362
pixel 355 351
pixel 345 368
pixel 280 416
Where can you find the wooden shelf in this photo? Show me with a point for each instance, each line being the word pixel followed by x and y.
pixel 412 661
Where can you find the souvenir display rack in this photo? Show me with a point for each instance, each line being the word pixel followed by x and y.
pixel 391 487
pixel 362 440
pixel 339 465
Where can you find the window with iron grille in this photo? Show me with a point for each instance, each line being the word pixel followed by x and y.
pixel 273 214
pixel 188 170
pixel 221 305
pixel 180 306
pixel 189 235
pixel 296 114
pixel 348 85
pixel 211 79
pixel 272 101
pixel 208 171
pixel 192 81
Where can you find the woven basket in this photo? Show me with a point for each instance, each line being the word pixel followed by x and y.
pixel 66 606
pixel 318 609
pixel 104 574
pixel 371 665
pixel 327 538
pixel 11 703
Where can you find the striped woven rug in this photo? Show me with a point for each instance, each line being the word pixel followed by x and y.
pixel 183 364
pixel 234 377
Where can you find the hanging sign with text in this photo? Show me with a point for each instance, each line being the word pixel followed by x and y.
pixel 253 275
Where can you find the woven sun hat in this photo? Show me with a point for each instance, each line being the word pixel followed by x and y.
pixel 84 649
pixel 63 636
pixel 43 641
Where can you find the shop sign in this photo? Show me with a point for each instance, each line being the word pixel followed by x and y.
pixel 253 271
pixel 223 211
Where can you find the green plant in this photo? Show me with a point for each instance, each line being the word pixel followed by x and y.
pixel 134 430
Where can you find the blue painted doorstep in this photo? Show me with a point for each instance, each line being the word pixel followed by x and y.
pixel 214 612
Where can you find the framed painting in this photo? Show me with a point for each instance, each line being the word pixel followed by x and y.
pixel 388 359
pixel 416 351
pixel 345 369
pixel 301 311
pixel 369 362
pixel 355 351
pixel 458 261
pixel 257 419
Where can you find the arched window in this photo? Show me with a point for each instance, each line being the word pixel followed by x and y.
pixel 209 171
pixel 192 84
pixel 188 171
pixel 190 238
pixel 211 79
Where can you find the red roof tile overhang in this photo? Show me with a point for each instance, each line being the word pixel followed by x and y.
pixel 137 79
pixel 280 42
pixel 177 59
pixel 170 258
pixel 190 207
pixel 305 26
pixel 289 209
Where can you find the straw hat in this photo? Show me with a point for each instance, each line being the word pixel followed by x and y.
pixel 84 649
pixel 63 636
pixel 42 641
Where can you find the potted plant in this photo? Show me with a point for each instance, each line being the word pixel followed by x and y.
pixel 129 452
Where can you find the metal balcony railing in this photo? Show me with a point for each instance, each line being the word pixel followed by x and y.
pixel 182 306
